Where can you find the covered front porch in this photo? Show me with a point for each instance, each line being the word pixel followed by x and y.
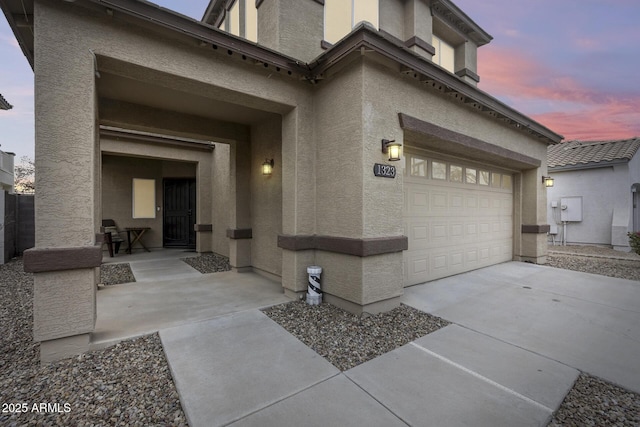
pixel 168 292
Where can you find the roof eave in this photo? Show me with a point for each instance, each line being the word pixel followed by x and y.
pixel 591 165
pixel 365 36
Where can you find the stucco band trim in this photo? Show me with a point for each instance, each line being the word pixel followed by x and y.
pixel 454 142
pixel 239 233
pixel 344 245
pixel 417 41
pixel 39 260
pixel 465 72
pixel 203 227
pixel 536 229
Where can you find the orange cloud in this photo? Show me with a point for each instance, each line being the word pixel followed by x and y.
pixel 593 114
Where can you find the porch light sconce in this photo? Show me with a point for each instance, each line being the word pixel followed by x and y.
pixel 392 148
pixel 267 167
pixel 548 181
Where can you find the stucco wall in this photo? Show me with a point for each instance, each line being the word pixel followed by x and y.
pixel 266 200
pixel 603 191
pixel 117 175
pixel 339 151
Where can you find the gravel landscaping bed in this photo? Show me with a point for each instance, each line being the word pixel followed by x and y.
pixel 593 402
pixel 209 263
pixel 115 274
pixel 347 340
pixel 596 260
pixel 130 384
pixel 125 385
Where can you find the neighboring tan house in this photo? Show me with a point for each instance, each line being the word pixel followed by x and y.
pixel 6 159
pixel 133 96
pixel 595 198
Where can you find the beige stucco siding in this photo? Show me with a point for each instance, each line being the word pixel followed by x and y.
pixel 266 200
pixel 339 154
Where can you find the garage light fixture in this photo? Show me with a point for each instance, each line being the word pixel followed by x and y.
pixel 547 181
pixel 267 167
pixel 392 148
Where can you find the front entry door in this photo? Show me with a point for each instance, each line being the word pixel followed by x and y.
pixel 179 213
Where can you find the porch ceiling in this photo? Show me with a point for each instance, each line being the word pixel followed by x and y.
pixel 147 93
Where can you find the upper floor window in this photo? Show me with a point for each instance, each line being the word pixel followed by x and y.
pixel 445 54
pixel 241 19
pixel 340 16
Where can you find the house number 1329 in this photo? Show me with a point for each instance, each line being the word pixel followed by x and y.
pixel 385 171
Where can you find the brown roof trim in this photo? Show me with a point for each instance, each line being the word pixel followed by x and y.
pixel 454 16
pixel 344 245
pixel 460 143
pixel 205 33
pixel 21 24
pixel 363 36
pixel 134 135
pixel 368 37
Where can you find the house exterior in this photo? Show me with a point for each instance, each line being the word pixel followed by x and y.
pixel 595 199
pixel 144 113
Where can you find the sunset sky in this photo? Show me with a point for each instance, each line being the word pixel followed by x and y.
pixel 572 65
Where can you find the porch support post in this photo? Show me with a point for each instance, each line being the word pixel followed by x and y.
pixel 240 203
pixel 204 206
pixel 67 197
pixel 298 195
pixel 533 228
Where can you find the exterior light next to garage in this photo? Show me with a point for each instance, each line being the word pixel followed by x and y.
pixel 267 167
pixel 548 181
pixel 392 148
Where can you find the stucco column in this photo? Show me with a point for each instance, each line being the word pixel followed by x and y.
pixel 66 255
pixel 292 27
pixel 298 195
pixel 534 227
pixel 418 27
pixel 239 232
pixel 204 227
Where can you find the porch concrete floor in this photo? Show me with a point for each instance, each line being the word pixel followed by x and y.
pixel 162 299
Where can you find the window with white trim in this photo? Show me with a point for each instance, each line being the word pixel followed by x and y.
pixel 341 16
pixel 445 54
pixel 241 19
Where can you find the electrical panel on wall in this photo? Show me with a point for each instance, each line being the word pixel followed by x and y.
pixel 571 209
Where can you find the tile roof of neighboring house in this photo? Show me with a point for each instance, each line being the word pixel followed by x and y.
pixel 4 105
pixel 576 154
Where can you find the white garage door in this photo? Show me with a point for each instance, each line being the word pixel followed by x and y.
pixel 457 216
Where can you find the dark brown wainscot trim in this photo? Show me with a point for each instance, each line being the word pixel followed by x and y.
pixel 417 41
pixel 344 245
pixel 56 259
pixel 202 227
pixel 465 72
pixel 239 233
pixel 536 229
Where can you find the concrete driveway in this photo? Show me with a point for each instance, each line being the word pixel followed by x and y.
pixel 519 337
pixel 585 321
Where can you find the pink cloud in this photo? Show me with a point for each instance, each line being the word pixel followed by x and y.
pixel 594 114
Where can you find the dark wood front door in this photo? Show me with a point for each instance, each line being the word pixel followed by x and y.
pixel 179 213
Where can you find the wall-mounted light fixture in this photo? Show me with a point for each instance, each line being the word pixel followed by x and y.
pixel 547 181
pixel 392 148
pixel 267 167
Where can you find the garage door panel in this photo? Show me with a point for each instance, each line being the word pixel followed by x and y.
pixel 455 227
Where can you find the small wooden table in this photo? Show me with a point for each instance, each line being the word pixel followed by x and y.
pixel 137 232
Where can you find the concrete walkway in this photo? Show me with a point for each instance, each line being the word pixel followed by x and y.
pixel 521 334
pixel 168 292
